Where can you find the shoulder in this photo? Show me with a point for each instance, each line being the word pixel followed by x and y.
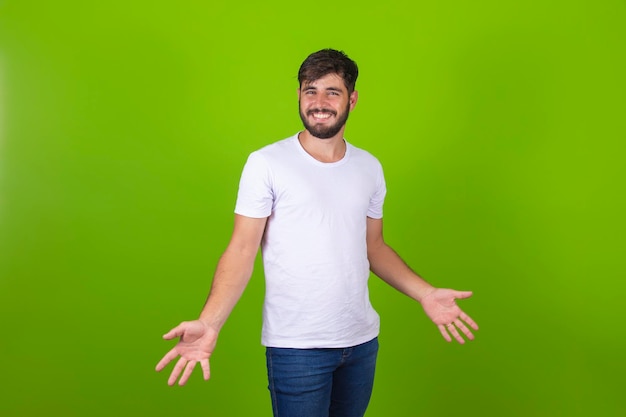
pixel 271 154
pixel 363 156
pixel 280 148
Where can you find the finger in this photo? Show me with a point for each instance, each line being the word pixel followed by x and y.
pixel 180 365
pixel 206 369
pixel 461 326
pixel 444 333
pixel 467 319
pixel 455 333
pixel 172 354
pixel 175 332
pixel 187 373
pixel 462 294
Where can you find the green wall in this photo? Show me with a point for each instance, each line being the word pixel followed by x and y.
pixel 123 130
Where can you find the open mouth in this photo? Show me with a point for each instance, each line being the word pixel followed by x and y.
pixel 321 115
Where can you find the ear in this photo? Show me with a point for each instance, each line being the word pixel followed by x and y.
pixel 298 93
pixel 353 99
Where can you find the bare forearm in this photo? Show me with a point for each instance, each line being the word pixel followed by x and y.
pixel 231 278
pixel 233 270
pixel 387 264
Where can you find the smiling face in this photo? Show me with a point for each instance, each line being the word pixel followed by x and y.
pixel 325 105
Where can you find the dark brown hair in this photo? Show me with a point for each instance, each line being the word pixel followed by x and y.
pixel 329 61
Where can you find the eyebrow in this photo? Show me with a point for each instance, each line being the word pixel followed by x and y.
pixel 311 87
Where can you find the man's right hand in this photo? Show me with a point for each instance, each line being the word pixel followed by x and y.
pixel 196 344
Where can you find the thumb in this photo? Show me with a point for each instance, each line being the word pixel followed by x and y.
pixel 175 332
pixel 463 294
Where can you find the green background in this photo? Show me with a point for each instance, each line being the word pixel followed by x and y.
pixel 123 130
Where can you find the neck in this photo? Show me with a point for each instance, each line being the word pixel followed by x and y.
pixel 324 150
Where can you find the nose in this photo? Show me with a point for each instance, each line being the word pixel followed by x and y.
pixel 320 101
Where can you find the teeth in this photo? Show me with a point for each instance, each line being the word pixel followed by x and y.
pixel 321 115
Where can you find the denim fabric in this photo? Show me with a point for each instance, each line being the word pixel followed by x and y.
pixel 321 382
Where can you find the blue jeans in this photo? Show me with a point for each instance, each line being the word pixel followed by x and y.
pixel 321 382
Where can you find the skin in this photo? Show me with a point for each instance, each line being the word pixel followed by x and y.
pixel 324 97
pixel 197 338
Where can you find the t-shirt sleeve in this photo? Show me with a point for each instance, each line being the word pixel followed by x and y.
pixel 255 197
pixel 375 210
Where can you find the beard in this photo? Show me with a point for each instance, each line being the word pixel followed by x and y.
pixel 322 131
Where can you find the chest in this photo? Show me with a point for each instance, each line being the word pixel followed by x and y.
pixel 345 188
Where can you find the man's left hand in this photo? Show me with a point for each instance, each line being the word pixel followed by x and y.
pixel 441 308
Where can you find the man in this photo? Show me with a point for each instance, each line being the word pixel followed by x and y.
pixel 313 202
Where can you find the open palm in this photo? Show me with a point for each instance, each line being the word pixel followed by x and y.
pixel 440 306
pixel 196 344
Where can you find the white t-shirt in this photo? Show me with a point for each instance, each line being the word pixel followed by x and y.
pixel 314 248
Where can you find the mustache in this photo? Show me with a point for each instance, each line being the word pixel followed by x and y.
pixel 321 110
